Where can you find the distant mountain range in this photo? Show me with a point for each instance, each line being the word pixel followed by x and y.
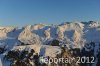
pixel 40 37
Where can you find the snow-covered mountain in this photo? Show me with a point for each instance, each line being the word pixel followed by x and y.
pixel 40 37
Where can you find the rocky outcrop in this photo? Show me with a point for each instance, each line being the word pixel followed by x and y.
pixel 27 37
pixel 76 37
pixel 47 33
pixel 5 30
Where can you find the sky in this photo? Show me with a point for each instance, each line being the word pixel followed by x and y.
pixel 26 12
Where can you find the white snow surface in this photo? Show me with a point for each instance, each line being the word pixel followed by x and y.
pixel 42 50
pixel 35 34
pixel 72 34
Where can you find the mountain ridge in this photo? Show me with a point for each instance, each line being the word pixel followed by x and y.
pixel 50 40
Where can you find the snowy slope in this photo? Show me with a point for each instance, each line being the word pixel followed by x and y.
pixel 39 33
pixel 42 50
pixel 39 37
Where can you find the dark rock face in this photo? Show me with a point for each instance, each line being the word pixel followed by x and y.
pixel 55 42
